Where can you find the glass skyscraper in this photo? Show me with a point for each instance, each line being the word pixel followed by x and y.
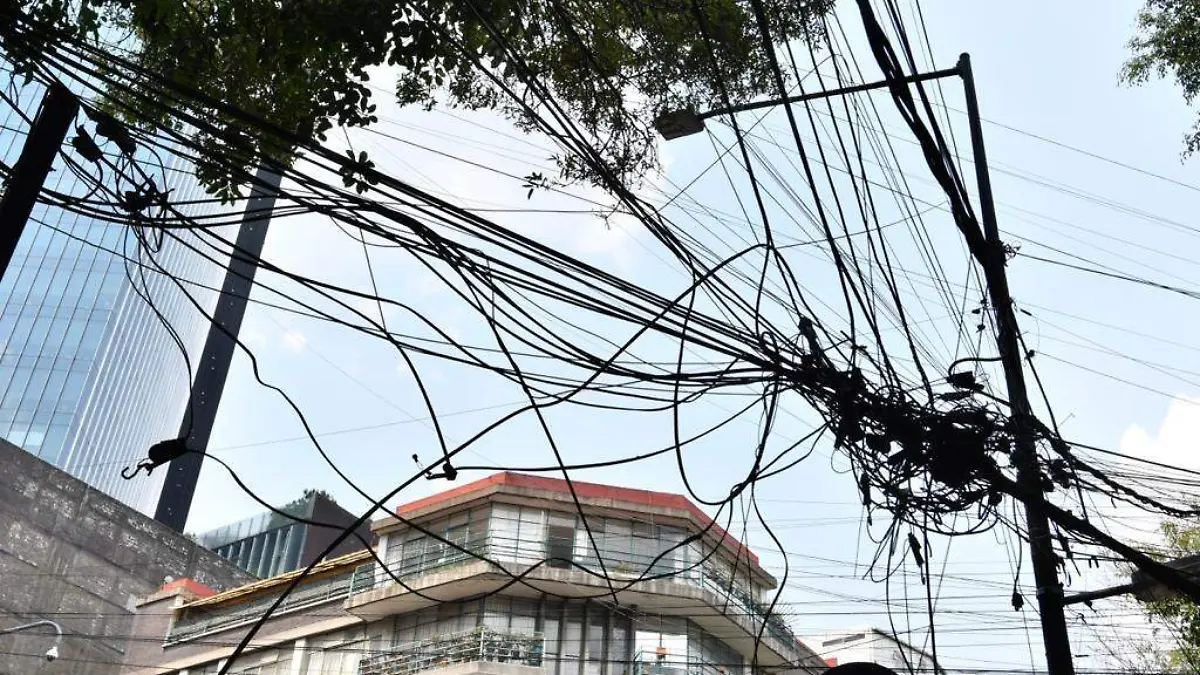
pixel 89 375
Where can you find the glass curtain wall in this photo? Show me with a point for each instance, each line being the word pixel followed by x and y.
pixel 89 376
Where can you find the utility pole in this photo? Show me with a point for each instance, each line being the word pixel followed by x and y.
pixel 46 137
pixel 681 123
pixel 993 261
pixel 183 472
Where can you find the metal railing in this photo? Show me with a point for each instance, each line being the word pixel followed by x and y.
pixel 745 603
pixel 201 620
pixel 503 549
pixel 648 663
pixel 480 644
pixel 369 576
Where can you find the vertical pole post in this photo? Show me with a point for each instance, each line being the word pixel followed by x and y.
pixel 606 667
pixel 46 136
pixel 561 638
pixel 583 636
pixel 213 367
pixel 631 643
pixel 1044 563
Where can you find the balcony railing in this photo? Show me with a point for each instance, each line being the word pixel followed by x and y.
pixel 439 557
pixel 201 620
pixel 481 644
pixel 745 603
pixel 365 577
pixel 649 663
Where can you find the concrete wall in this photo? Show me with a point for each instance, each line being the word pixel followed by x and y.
pixel 76 556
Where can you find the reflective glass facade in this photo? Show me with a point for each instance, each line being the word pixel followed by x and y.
pixel 89 375
pixel 271 543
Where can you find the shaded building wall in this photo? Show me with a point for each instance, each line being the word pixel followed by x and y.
pixel 270 544
pixel 73 555
pixel 317 538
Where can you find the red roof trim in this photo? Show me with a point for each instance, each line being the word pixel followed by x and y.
pixel 585 491
pixel 195 587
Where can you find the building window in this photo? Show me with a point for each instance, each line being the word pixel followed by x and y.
pixel 338 660
pixel 560 541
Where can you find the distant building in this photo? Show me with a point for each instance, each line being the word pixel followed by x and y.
pixel 89 375
pixel 686 598
pixel 873 646
pixel 270 544
pixel 73 555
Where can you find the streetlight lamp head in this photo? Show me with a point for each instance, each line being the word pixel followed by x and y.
pixel 680 123
pixel 52 653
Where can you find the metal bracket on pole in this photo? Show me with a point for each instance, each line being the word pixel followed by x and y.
pixel 46 137
pixel 680 123
pixel 213 367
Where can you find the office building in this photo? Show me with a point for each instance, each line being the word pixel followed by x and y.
pixel 872 645
pixel 667 605
pixel 72 555
pixel 270 544
pixel 89 375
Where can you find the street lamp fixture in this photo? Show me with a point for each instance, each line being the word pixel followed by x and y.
pixel 52 653
pixel 678 124
pixel 1149 590
pixel 1141 586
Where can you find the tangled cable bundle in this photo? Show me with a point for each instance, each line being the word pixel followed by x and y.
pixel 936 454
pixel 917 461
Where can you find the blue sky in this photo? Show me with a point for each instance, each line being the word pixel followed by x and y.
pixel 1049 69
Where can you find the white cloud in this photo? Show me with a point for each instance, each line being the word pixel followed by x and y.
pixel 1174 443
pixel 1177 441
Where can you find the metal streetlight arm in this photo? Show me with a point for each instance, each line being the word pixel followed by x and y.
pixel 52 653
pixel 679 123
pixel 44 622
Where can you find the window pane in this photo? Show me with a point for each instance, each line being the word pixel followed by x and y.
pixel 560 545
pixel 594 645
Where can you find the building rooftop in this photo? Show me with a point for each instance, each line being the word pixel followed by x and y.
pixel 613 496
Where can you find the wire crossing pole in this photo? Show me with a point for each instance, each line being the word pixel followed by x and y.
pixel 681 123
pixel 49 131
pixel 183 472
pixel 1041 547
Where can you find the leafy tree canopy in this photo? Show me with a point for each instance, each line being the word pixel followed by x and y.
pixel 1178 652
pixel 1167 44
pixel 613 65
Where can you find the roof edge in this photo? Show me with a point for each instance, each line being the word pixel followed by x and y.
pixel 498 481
